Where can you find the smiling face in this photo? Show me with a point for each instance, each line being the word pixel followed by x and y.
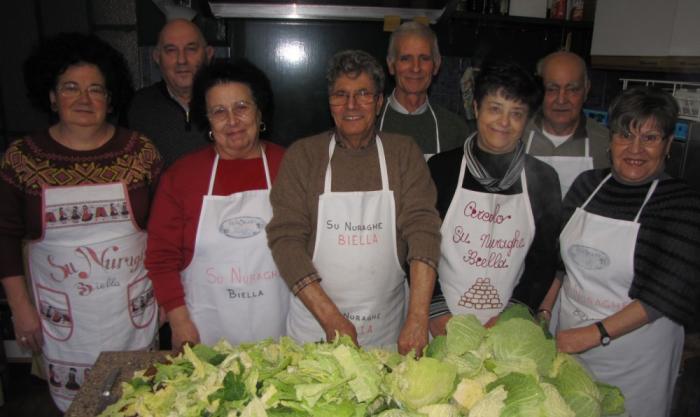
pixel 181 51
pixel 639 154
pixel 234 119
pixel 565 91
pixel 500 123
pixel 354 121
pixel 413 66
pixel 77 98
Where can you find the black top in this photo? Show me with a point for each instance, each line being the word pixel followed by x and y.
pixel 667 253
pixel 545 199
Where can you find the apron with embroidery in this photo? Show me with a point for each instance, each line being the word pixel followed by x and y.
pixel 485 238
pixel 567 167
pixel 437 130
pixel 598 253
pixel 233 289
pixel 355 254
pixel 89 281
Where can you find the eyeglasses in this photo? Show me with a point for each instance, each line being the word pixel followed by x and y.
pixel 341 98
pixel 242 110
pixel 646 139
pixel 73 90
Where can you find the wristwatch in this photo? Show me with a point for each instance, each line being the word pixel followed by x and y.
pixel 604 336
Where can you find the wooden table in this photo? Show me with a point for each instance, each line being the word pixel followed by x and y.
pixel 87 401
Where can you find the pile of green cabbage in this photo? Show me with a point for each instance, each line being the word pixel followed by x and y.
pixel 509 370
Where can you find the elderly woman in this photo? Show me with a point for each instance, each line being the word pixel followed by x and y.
pixel 630 248
pixel 500 206
pixel 207 248
pixel 79 192
pixel 351 207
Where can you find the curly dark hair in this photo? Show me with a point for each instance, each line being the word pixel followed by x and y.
pixel 510 80
pixel 633 107
pixel 55 55
pixel 238 70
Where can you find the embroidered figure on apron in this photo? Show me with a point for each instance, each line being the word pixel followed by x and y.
pixel 485 238
pixel 232 287
pixel 598 253
pixel 355 254
pixel 567 167
pixel 86 276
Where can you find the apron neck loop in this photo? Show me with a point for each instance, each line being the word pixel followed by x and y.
pixel 382 165
pixel 529 141
pixel 390 98
pixel 266 168
pixel 650 191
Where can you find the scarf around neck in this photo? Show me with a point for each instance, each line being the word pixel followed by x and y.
pixel 481 175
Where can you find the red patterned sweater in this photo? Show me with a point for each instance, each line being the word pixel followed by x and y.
pixel 37 160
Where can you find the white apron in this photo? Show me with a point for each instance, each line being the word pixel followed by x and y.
pixel 485 238
pixel 598 253
pixel 89 282
pixel 567 167
pixel 232 287
pixel 437 130
pixel 355 255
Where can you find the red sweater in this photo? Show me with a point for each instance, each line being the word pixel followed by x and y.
pixel 172 227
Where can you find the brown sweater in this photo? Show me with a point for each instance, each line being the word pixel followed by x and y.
pixel 294 197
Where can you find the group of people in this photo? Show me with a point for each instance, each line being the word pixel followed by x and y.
pixel 347 232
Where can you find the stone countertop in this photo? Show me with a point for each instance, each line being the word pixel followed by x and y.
pixel 87 401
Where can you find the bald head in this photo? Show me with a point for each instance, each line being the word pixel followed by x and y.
pixel 566 87
pixel 180 52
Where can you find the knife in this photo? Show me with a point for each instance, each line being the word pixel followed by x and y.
pixel 106 396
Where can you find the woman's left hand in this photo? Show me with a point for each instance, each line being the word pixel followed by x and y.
pixel 578 339
pixel 414 335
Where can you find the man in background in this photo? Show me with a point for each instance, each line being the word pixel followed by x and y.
pixel 161 111
pixel 560 134
pixel 413 59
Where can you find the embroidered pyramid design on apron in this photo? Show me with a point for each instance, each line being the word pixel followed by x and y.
pixel 481 295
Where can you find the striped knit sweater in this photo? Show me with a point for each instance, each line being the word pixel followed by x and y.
pixel 667 254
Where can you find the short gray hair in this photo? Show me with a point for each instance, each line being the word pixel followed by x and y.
pixel 413 28
pixel 353 62
pixel 543 61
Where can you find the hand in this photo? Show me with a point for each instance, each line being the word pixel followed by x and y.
pixel 183 328
pixel 414 335
pixel 438 325
pixel 338 322
pixel 27 326
pixel 578 339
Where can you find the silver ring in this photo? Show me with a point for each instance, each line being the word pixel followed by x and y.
pixel 23 339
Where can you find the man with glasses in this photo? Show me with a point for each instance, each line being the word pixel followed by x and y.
pixel 413 59
pixel 560 134
pixel 161 111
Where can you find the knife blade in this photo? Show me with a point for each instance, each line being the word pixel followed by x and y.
pixel 106 394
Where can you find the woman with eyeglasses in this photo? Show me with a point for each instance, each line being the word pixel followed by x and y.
pixel 89 289
pixel 630 248
pixel 353 214
pixel 207 248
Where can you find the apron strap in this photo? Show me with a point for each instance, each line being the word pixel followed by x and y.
pixel 646 199
pixel 588 147
pixel 212 176
pixel 382 165
pixel 265 167
pixel 590 197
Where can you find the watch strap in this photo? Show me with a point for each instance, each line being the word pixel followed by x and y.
pixel 604 336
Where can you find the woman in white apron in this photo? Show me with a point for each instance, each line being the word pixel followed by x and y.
pixel 79 194
pixel 207 249
pixel 350 209
pixel 630 248
pixel 499 207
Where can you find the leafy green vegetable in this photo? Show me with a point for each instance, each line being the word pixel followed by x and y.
pixel 576 386
pixel 516 341
pixel 464 333
pixel 613 402
pixel 417 383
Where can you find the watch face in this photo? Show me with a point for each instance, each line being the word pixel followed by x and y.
pixel 605 341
